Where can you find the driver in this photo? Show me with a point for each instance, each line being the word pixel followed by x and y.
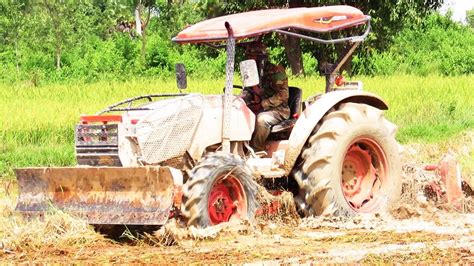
pixel 269 100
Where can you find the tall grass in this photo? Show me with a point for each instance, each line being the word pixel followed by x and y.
pixel 428 108
pixel 37 123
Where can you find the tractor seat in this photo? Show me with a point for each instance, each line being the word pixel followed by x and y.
pixel 294 103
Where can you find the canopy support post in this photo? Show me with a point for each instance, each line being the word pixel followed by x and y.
pixel 333 71
pixel 229 73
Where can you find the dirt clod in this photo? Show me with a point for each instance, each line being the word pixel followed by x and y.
pixel 405 211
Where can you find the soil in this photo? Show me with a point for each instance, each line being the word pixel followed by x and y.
pixel 416 230
pixel 374 239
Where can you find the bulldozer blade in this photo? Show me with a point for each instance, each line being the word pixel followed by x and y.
pixel 100 195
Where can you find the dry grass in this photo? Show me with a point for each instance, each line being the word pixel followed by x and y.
pixel 70 240
pixel 359 236
pixel 427 257
pixel 56 231
pixel 280 209
pixel 274 237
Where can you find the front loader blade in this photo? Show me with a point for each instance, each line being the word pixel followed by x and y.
pixel 101 195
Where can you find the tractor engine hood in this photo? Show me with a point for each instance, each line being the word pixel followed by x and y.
pixel 190 124
pixel 167 130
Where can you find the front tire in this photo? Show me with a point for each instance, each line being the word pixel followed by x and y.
pixel 220 187
pixel 351 163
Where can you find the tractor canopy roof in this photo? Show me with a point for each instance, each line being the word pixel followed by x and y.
pixel 254 23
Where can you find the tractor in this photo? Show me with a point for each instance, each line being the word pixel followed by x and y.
pixel 146 159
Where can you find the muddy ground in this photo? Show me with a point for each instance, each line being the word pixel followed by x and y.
pixel 437 236
pixel 416 230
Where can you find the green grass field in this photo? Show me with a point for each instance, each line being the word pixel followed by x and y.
pixel 37 123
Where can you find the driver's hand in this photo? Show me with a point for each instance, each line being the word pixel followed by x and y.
pixel 248 99
pixel 256 107
pixel 252 98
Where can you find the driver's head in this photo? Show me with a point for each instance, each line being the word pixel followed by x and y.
pixel 258 52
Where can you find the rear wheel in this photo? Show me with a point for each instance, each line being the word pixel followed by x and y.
pixel 220 187
pixel 351 164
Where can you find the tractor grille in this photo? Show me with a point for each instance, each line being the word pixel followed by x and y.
pixel 97 145
pixel 167 131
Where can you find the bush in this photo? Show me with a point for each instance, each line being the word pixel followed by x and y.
pixel 310 64
pixel 438 46
pixel 376 64
pixel 93 59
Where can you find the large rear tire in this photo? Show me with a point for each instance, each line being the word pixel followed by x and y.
pixel 220 187
pixel 351 163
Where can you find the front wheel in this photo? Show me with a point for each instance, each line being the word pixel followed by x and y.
pixel 220 187
pixel 351 164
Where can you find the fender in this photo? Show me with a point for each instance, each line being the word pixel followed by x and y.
pixel 311 116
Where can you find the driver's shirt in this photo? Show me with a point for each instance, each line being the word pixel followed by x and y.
pixel 275 89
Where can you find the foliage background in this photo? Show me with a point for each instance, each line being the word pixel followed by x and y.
pixel 60 59
pixel 87 39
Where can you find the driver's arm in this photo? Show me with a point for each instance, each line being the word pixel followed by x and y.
pixel 247 96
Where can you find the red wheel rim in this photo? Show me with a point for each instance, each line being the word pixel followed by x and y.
pixel 364 172
pixel 227 199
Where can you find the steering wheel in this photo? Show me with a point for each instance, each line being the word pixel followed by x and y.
pixel 257 99
pixel 256 103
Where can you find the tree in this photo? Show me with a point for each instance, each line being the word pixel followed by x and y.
pixel 292 45
pixel 388 18
pixel 12 26
pixel 109 14
pixel 143 12
pixel 57 12
pixel 65 23
pixel 470 17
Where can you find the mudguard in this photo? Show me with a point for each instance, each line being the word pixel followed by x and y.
pixel 100 195
pixel 311 116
